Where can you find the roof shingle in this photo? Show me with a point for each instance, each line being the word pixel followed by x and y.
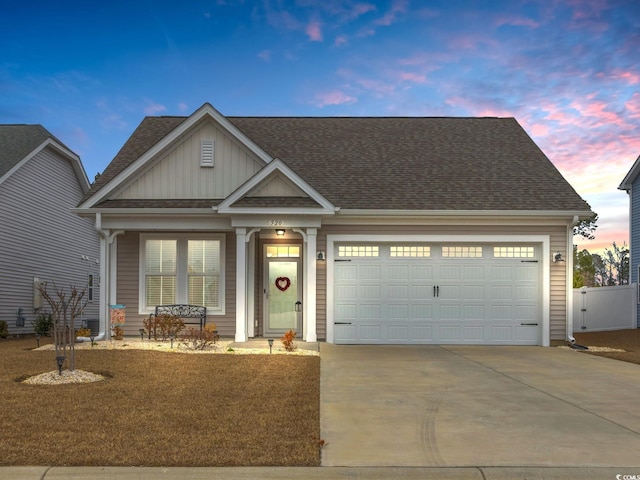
pixel 397 163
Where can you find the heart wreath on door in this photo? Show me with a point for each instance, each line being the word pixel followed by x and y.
pixel 282 283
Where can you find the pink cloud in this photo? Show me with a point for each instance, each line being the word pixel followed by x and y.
pixel 265 55
pixel 517 21
pixel 412 77
pixel 314 31
pixel 340 41
pixel 397 7
pixel 334 97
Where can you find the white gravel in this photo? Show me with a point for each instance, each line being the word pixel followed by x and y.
pixel 81 376
pixel 54 378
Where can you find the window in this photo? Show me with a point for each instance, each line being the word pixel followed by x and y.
pixel 90 288
pixel 182 269
pixel 405 251
pixel 283 251
pixel 462 252
pixel 358 251
pixel 513 252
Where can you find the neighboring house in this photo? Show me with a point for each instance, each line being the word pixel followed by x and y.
pixel 41 240
pixel 349 230
pixel 631 184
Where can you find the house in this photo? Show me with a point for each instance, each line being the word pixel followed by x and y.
pixel 349 230
pixel 41 240
pixel 631 184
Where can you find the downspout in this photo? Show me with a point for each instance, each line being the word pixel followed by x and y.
pixel 106 240
pixel 569 277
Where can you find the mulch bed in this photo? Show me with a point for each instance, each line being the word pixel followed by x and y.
pixel 160 409
pixel 628 340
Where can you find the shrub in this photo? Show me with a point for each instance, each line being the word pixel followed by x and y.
pixel 163 325
pixel 288 340
pixel 83 332
pixel 118 333
pixel 43 324
pixel 4 329
pixel 195 339
pixel 169 325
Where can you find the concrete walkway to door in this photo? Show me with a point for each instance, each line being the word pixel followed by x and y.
pixel 444 406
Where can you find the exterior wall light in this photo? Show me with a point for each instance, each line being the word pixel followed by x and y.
pixel 280 232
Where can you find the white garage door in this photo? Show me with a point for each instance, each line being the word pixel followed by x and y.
pixel 421 293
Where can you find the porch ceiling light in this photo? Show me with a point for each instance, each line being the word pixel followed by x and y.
pixel 280 232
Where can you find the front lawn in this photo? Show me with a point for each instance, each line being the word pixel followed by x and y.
pixel 160 409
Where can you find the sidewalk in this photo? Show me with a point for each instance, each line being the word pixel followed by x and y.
pixel 318 473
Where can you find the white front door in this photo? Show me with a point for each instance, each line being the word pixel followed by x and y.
pixel 283 290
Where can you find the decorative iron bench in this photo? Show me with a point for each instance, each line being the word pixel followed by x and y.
pixel 185 312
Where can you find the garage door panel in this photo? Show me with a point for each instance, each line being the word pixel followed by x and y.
pixel 421 292
pixel 398 312
pixel 525 292
pixel 473 333
pixel 346 311
pixel 370 332
pixel 369 272
pixel 398 333
pixel 346 292
pixel 346 272
pixel 421 272
pixel 398 292
pixel 449 333
pixel 422 311
pixel 398 272
pixel 422 333
pixel 473 312
pixel 369 292
pixel 370 312
pixel 475 272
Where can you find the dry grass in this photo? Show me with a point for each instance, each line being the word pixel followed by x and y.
pixel 628 340
pixel 160 409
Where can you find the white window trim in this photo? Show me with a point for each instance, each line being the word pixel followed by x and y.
pixel 181 271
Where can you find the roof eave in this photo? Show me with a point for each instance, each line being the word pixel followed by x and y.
pixel 466 213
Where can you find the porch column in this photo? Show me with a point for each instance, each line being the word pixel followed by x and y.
pixel 241 285
pixel 105 282
pixel 310 334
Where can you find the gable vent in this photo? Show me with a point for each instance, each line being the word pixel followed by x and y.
pixel 206 153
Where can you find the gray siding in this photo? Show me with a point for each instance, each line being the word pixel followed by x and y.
pixel 41 237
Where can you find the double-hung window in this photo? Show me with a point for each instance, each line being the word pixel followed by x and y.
pixel 182 269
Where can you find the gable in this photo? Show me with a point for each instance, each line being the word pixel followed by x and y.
pixel 20 144
pixel 276 185
pixel 179 172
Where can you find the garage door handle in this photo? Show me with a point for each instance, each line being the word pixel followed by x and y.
pixel 436 290
pixel 529 324
pixel 342 323
pixel 342 260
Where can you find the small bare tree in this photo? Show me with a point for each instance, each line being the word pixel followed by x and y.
pixel 65 308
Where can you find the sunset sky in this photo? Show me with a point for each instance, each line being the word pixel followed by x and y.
pixel 567 70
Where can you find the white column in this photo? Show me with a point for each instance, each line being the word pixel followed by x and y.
pixel 105 282
pixel 310 334
pixel 241 285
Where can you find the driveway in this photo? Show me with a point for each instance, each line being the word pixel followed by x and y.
pixel 477 406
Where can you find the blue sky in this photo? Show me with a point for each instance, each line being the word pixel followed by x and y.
pixel 567 70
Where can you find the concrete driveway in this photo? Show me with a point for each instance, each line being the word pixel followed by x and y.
pixel 439 406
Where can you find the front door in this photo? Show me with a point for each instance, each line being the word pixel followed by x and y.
pixel 283 292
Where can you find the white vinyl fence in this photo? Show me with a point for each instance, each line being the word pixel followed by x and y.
pixel 604 308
